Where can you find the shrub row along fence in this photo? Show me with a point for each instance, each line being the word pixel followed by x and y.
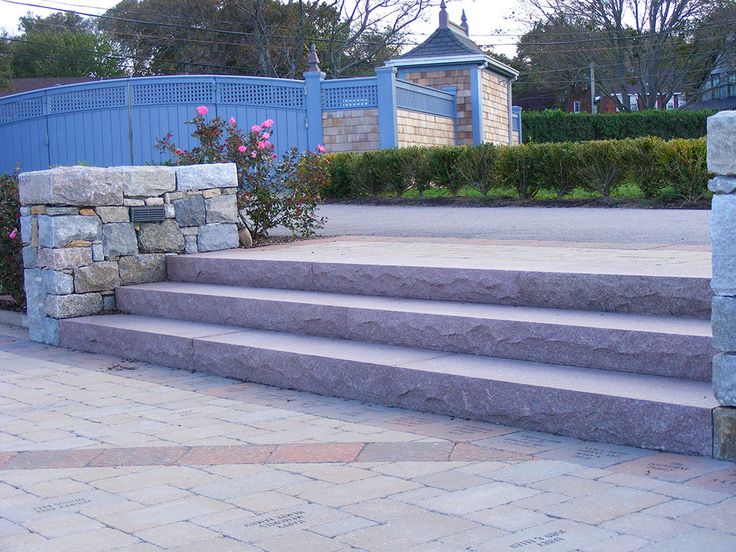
pixel 557 126
pixel 674 169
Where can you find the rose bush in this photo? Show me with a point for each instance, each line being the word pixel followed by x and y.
pixel 11 259
pixel 272 192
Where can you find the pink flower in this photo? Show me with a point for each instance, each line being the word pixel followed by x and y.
pixel 13 234
pixel 268 123
pixel 255 128
pixel 266 135
pixel 242 149
pixel 177 151
pixel 232 121
pixel 321 149
pixel 253 154
pixel 202 110
pixel 262 145
pixel 275 156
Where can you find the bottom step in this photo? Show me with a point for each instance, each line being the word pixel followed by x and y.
pixel 629 409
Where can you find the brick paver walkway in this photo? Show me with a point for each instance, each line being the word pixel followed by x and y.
pixel 98 453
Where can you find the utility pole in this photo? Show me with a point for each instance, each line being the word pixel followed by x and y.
pixel 593 107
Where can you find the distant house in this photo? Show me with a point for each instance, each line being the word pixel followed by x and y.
pixel 719 89
pixel 580 103
pixel 20 85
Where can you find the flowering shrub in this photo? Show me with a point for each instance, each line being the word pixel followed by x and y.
pixel 272 192
pixel 11 259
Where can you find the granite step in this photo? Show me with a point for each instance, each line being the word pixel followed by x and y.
pixel 657 345
pixel 651 293
pixel 631 409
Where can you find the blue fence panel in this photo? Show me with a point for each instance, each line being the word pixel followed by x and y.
pixel 84 121
pixel 23 133
pixel 422 98
pixel 350 93
pixel 117 122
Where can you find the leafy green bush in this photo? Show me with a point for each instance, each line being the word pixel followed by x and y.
pixel 561 172
pixel 340 181
pixel 519 167
pixel 417 170
pixel 684 168
pixel 271 192
pixel 11 258
pixel 558 126
pixel 640 157
pixel 443 166
pixel 477 167
pixel 602 166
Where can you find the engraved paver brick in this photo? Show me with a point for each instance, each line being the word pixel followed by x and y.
pixel 671 467
pixel 723 481
pixel 555 536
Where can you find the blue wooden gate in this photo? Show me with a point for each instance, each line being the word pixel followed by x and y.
pixel 117 122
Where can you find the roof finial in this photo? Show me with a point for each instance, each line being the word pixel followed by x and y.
pixel 313 63
pixel 443 15
pixel 464 24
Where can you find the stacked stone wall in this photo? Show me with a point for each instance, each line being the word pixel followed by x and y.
pixel 80 243
pixel 722 162
pixel 495 99
pixel 424 129
pixel 460 79
pixel 350 130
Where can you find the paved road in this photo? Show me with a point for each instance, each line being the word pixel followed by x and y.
pixel 681 227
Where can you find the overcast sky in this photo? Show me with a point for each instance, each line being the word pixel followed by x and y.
pixel 485 17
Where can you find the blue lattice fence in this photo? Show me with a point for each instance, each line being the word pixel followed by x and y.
pixel 117 122
pixel 424 99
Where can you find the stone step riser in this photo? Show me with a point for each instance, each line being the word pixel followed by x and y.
pixel 635 422
pixel 672 355
pixel 598 292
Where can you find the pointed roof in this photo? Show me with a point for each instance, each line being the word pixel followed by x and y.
pixel 450 43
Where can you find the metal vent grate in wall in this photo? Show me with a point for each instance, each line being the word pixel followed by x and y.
pixel 147 214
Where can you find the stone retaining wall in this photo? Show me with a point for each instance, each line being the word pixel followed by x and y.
pixel 424 129
pixel 722 162
pixel 80 243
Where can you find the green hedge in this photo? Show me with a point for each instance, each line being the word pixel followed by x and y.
pixel 558 126
pixel 674 169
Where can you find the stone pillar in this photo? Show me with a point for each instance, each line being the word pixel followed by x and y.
pixel 722 162
pixel 80 242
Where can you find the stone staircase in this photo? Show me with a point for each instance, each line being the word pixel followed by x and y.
pixel 621 358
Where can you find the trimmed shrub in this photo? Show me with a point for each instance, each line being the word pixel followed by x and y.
pixel 341 181
pixel 443 165
pixel 519 167
pixel 560 167
pixel 558 126
pixel 684 168
pixel 11 258
pixel 641 160
pixel 602 166
pixel 477 167
pixel 417 171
